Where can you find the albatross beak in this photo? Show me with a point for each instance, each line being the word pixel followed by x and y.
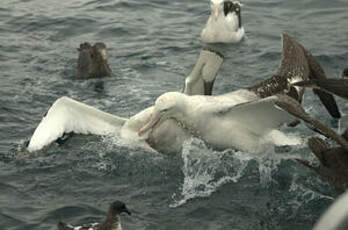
pixel 153 121
pixel 216 11
pixel 127 211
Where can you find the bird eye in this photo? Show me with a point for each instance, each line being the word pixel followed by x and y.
pixel 164 110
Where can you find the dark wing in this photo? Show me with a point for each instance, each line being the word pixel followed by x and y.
pixel 317 72
pixel 294 108
pixel 334 86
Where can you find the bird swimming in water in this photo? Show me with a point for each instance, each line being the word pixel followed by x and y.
pixel 70 116
pixel 67 115
pixel 112 221
pixel 224 24
pixel 92 61
pixel 238 120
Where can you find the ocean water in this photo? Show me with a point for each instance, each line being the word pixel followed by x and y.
pixel 152 47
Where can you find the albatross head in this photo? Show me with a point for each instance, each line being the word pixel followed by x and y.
pixel 166 106
pixel 216 6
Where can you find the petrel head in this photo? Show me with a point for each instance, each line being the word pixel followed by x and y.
pixel 117 207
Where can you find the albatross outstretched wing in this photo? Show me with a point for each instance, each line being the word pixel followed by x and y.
pixel 67 115
pixel 260 115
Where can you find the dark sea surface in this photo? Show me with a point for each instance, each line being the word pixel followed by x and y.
pixel 152 46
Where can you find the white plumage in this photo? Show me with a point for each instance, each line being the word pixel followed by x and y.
pixel 67 115
pixel 235 120
pixel 224 24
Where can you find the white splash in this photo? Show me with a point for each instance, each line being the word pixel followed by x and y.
pixel 206 170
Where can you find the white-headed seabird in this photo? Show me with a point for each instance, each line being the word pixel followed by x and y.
pixel 236 120
pixel 224 24
pixel 169 135
pixel 70 116
pixel 112 221
pixel 251 111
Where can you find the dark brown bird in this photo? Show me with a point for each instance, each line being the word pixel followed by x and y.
pixel 92 61
pixel 112 221
pixel 297 64
pixel 333 160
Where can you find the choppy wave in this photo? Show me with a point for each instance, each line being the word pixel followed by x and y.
pixel 152 46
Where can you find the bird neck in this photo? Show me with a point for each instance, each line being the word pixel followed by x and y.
pixel 183 105
pixel 112 222
pixel 188 109
pixel 83 64
pixel 100 67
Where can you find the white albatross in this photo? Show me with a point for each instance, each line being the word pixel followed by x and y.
pixel 67 115
pixel 231 120
pixel 224 24
pixel 250 111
